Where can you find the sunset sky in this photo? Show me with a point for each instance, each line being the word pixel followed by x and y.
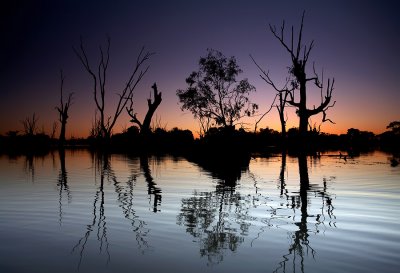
pixel 356 42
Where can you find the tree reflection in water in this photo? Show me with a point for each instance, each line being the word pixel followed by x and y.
pixel 29 166
pixel 98 223
pixel 299 240
pixel 62 183
pixel 125 196
pixel 152 188
pixel 220 220
pixel 206 216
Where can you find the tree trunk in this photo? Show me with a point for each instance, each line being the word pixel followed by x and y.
pixel 281 111
pixel 304 181
pixel 282 172
pixel 145 128
pixel 62 132
pixel 302 110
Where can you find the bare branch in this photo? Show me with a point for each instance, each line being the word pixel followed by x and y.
pixel 300 36
pixel 265 76
pixel 81 54
pixel 30 124
pixel 300 80
pixel 99 84
pixel 266 113
pixel 325 104
pixel 307 52
pixel 324 119
pixel 281 38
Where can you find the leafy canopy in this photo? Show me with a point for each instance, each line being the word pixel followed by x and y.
pixel 213 92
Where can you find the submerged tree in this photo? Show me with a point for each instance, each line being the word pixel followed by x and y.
pixel 99 75
pixel 152 107
pixel 63 110
pixel 213 92
pixel 298 80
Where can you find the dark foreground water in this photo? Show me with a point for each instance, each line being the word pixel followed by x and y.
pixel 81 212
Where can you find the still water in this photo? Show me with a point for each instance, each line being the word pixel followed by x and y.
pixel 75 211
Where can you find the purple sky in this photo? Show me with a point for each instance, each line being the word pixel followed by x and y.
pixel 356 42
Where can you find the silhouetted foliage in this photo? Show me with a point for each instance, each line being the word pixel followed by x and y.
pixel 357 139
pixel 227 168
pixel 394 126
pixel 214 94
pixel 390 140
pixel 208 218
pixel 159 141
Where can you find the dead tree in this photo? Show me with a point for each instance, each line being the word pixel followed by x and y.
pixel 63 110
pixel 299 80
pixel 99 77
pixel 152 107
pixel 282 94
pixel 30 125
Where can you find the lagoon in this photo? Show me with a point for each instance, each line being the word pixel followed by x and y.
pixel 79 211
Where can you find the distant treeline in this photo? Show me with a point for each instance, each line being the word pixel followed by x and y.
pixel 217 140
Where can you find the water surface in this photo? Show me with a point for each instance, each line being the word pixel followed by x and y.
pixel 75 211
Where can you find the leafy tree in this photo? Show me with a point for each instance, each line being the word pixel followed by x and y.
pixel 213 92
pixel 394 126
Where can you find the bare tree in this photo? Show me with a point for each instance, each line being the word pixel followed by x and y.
pixel 152 107
pixel 282 94
pixel 95 130
pixel 53 129
pixel 157 123
pixel 99 84
pixel 298 80
pixel 63 110
pixel 30 125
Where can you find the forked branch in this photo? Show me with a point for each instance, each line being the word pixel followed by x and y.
pixel 99 84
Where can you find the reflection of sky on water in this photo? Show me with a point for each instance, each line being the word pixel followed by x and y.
pixel 164 212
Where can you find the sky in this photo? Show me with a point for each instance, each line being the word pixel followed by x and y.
pixel 356 43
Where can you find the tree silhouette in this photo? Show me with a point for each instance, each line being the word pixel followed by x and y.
pixel 152 188
pixel 205 215
pixel 394 126
pixel 300 244
pixel 98 222
pixel 214 94
pixel 106 124
pixel 152 107
pixel 125 195
pixel 298 80
pixel 63 110
pixel 30 125
pixel 282 94
pixel 62 183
